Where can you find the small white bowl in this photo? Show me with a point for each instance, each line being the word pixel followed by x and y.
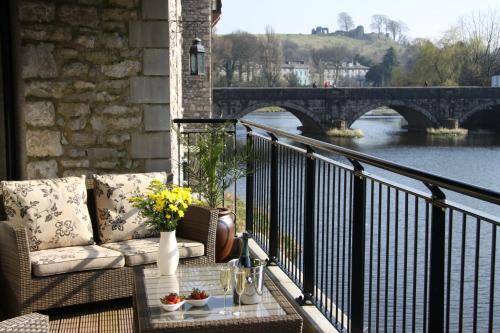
pixel 198 302
pixel 172 307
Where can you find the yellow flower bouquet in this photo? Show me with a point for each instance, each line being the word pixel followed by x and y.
pixel 163 205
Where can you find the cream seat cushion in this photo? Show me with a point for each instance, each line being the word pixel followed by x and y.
pixel 54 210
pixel 145 251
pixel 74 259
pixel 117 219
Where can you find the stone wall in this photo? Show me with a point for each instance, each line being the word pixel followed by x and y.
pixel 96 76
pixel 197 90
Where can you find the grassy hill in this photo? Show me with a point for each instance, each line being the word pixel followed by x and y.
pixel 373 48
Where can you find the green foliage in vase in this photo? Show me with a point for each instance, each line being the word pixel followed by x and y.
pixel 213 166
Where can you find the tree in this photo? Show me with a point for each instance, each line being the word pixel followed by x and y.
pixel 396 28
pixel 271 57
pixel 480 34
pixel 375 75
pixel 378 23
pixel 363 60
pixel 345 21
pixel 437 64
pixel 244 52
pixel 389 62
pixel 332 57
pixel 234 52
pixel 293 80
pixel 381 74
pixel 223 61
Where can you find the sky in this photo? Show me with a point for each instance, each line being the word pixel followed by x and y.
pixel 425 18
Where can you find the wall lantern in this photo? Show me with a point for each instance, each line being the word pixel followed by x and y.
pixel 197 58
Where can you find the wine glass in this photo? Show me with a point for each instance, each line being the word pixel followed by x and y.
pixel 240 279
pixel 225 282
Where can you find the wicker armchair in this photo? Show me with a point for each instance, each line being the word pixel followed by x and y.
pixel 30 323
pixel 24 293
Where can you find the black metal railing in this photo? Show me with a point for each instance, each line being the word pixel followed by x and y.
pixel 373 255
pixel 188 129
pixel 370 253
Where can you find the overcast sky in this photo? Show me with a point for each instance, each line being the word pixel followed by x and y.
pixel 425 18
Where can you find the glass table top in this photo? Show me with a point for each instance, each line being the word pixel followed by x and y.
pixel 204 278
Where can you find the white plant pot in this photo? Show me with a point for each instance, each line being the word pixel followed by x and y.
pixel 168 253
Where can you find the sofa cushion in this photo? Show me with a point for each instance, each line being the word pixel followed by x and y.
pixel 117 219
pixel 74 259
pixel 145 251
pixel 54 210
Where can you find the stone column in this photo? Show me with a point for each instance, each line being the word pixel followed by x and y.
pixel 157 90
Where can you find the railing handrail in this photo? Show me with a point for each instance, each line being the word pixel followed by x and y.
pixel 426 177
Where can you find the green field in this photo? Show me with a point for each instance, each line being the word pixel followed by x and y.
pixel 373 47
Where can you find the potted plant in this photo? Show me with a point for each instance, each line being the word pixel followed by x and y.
pixel 164 206
pixel 211 170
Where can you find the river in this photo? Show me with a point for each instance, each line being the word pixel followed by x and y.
pixel 472 159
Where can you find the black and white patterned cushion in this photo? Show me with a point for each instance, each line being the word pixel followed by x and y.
pixel 54 210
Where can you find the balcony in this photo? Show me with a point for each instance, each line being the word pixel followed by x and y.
pixel 367 252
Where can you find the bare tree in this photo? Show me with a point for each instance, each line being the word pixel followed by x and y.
pixel 223 62
pixel 480 32
pixel 272 57
pixel 378 23
pixel 244 52
pixel 345 21
pixel 396 29
pixel 332 58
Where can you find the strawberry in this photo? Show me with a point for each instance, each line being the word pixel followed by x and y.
pixel 196 294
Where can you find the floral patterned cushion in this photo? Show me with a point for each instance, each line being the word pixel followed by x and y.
pixel 74 259
pixel 55 211
pixel 145 251
pixel 117 219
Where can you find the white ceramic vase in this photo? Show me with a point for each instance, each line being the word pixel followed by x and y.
pixel 168 253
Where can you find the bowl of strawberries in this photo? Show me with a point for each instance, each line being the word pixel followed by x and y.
pixel 198 297
pixel 172 302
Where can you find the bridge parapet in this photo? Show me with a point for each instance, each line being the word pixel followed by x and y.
pixel 323 108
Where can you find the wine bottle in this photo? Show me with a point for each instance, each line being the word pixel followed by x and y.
pixel 245 260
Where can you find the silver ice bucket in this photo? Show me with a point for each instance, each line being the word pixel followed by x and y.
pixel 254 284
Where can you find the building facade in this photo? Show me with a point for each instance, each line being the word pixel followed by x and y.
pixel 495 80
pixel 346 74
pixel 298 68
pixel 92 86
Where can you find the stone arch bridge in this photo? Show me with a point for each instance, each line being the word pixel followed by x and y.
pixel 320 109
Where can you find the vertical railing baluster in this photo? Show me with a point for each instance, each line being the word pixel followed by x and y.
pixel 492 276
pixel 358 249
pixel 273 196
pixel 437 262
pixel 250 183
pixel 309 232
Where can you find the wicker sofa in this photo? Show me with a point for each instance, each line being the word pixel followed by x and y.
pixel 23 292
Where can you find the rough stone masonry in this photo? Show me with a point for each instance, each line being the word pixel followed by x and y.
pixel 96 82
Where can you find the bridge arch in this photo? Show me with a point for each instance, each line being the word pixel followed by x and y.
pixel 305 116
pixel 418 118
pixel 486 115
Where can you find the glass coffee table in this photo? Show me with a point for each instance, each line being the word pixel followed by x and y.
pixel 274 312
